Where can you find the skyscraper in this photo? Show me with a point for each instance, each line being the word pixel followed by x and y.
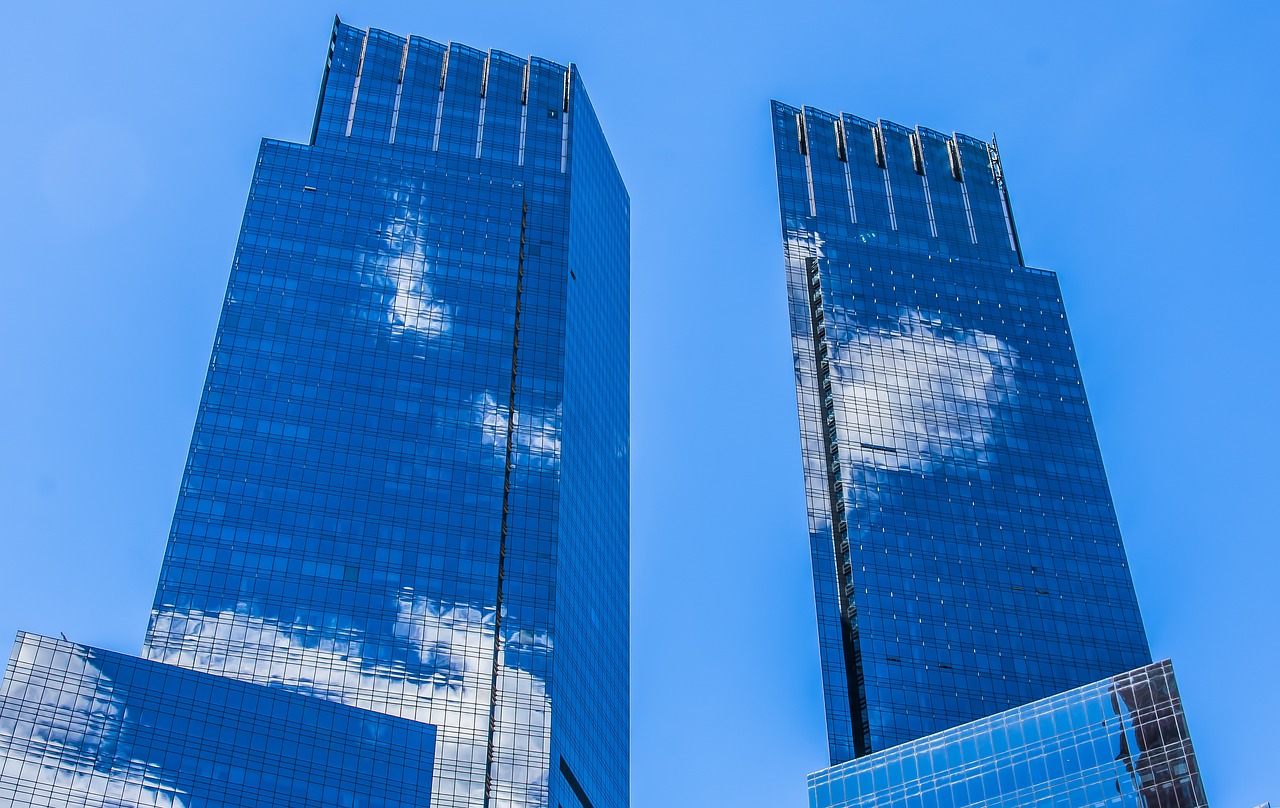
pixel 965 550
pixel 979 633
pixel 407 490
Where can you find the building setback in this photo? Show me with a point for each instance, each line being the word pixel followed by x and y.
pixel 407 489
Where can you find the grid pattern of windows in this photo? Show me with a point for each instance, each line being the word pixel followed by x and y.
pixel 407 488
pixel 86 727
pixel 965 549
pixel 1122 741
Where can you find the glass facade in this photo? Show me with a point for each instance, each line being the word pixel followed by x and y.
pixel 965 550
pixel 1121 741
pixel 407 490
pixel 87 727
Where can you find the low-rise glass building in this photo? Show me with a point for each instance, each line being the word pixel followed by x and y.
pixel 1121 741
pixel 81 726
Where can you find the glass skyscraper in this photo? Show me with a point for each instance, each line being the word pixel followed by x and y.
pixel 407 490
pixel 965 550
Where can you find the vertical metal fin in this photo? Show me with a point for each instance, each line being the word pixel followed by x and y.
pixel 882 160
pixel 444 75
pixel 524 110
pixel 917 152
pixel 839 520
pixel 490 751
pixel 957 168
pixel 842 144
pixel 848 189
pixel 803 126
pixel 564 125
pixel 484 97
pixel 997 173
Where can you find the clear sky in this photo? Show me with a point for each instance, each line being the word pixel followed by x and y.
pixel 1139 140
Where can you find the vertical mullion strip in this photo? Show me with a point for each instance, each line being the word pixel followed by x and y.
pixel 848 189
pixel 355 91
pixel 564 144
pixel 444 75
pixel 968 213
pixel 888 191
pixel 802 127
pixel 491 753
pixel 882 159
pixel 564 126
pixel 524 109
pixel 917 157
pixel 395 111
pixel 957 172
pixel 842 152
pixel 484 97
pixel 928 206
pixel 1008 226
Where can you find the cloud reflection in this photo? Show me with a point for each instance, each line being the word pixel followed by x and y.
pixel 399 271
pixel 436 668
pixel 921 393
pixel 70 743
pixel 536 437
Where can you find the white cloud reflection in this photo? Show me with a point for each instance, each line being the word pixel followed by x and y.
pixel 399 269
pixel 921 393
pixel 445 680
pixel 64 736
pixel 536 437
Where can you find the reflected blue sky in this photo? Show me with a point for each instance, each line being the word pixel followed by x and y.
pixel 1124 135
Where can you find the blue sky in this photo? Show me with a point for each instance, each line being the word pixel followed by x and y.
pixel 1138 143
